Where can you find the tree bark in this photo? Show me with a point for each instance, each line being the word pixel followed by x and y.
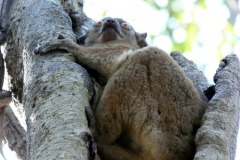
pixel 217 137
pixel 15 134
pixel 55 90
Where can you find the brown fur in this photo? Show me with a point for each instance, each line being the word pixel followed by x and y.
pixel 154 108
pixel 149 109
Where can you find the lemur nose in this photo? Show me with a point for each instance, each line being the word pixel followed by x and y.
pixel 110 20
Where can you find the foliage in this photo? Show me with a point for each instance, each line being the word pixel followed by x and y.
pixel 191 22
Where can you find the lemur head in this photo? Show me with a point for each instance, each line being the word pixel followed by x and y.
pixel 112 29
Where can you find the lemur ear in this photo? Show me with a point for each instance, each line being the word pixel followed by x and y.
pixel 141 39
pixel 83 33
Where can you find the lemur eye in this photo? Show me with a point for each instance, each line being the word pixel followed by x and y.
pixel 126 26
pixel 98 24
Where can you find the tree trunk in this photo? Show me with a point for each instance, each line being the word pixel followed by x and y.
pixel 54 92
pixel 216 139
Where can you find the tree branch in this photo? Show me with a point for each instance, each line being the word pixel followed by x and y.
pixel 191 71
pixel 216 139
pixel 15 134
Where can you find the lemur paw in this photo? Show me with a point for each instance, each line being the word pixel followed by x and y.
pixel 47 46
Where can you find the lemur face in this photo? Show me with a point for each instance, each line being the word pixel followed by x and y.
pixel 111 29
